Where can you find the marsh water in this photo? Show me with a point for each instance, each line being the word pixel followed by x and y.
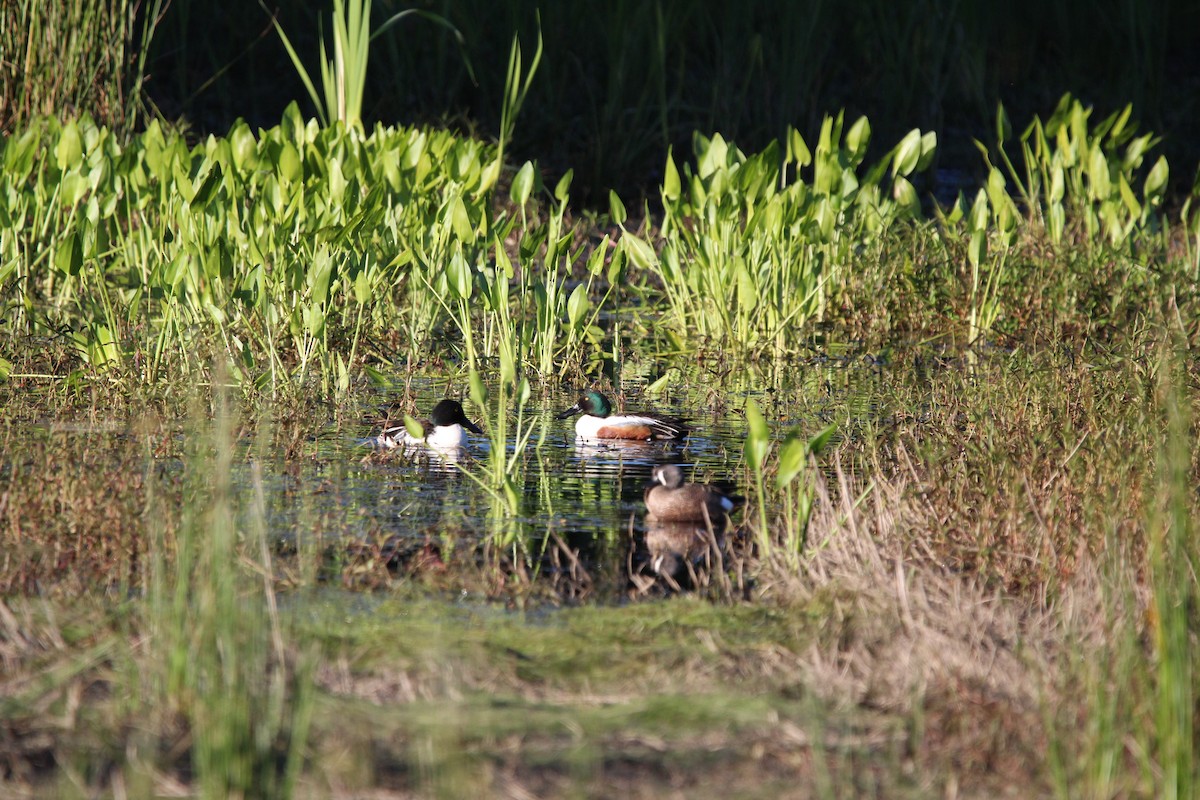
pixel 336 492
pixel 586 495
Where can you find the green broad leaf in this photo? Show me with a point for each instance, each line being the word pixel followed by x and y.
pixel 595 259
pixel 563 188
pixel 577 306
pixel 102 346
pixel 958 211
pixel 793 456
pixel 640 253
pixel 1101 183
pixel 391 171
pixel 616 264
pixel 479 393
pixel 826 218
pixel 208 190
pixel 459 274
pixel 183 184
pixel 906 196
pixel 413 427
pixel 488 176
pixel 908 152
pixel 1135 152
pixel 522 185
pixel 1120 121
pixel 977 248
pixel 289 167
pixel 714 156
pixel 977 220
pixel 504 264
pixel 68 257
pixel 997 187
pixel 797 149
pixel 19 154
pixel 747 286
pixel 671 186
pixel 73 187
pixel 6 368
pixel 362 287
pixel 928 151
pixel 758 438
pixel 857 139
pixel 1131 204
pixel 616 208
pixel 68 152
pixel 319 275
pixel 1057 217
pixel 1058 184
pixel 378 377
pixel 818 443
pixel 414 151
pixel 658 386
pixel 214 312
pixel 460 221
pixel 1156 180
pixel 314 321
pixel 243 148
pixel 1004 129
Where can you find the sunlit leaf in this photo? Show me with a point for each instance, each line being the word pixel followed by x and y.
pixel 670 185
pixel 908 153
pixel 793 456
pixel 639 252
pixel 1101 183
pixel 928 150
pixel 68 257
pixel 459 274
pixel 818 443
pixel 460 220
pixel 656 387
pixel 616 208
pixel 857 139
pixel 977 248
pixel 1156 180
pixel 577 306
pixel 757 439
pixel 68 152
pixel 479 394
pixel 414 427
pixel 522 185
pixel 563 187
pixel 797 149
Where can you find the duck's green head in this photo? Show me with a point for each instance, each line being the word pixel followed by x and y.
pixel 590 402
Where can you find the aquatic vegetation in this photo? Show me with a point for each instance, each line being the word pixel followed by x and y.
pixel 280 251
pixel 751 248
pixel 344 75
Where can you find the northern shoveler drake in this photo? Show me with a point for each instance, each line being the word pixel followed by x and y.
pixel 443 429
pixel 669 499
pixel 598 422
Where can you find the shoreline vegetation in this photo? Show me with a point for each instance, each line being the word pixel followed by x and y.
pixel 984 582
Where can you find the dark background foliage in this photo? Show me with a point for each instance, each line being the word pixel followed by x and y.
pixel 622 80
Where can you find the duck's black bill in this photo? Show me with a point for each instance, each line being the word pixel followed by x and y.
pixel 472 427
pixel 573 410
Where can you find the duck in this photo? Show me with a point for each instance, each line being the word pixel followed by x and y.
pixel 669 499
pixel 443 429
pixel 680 550
pixel 598 422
